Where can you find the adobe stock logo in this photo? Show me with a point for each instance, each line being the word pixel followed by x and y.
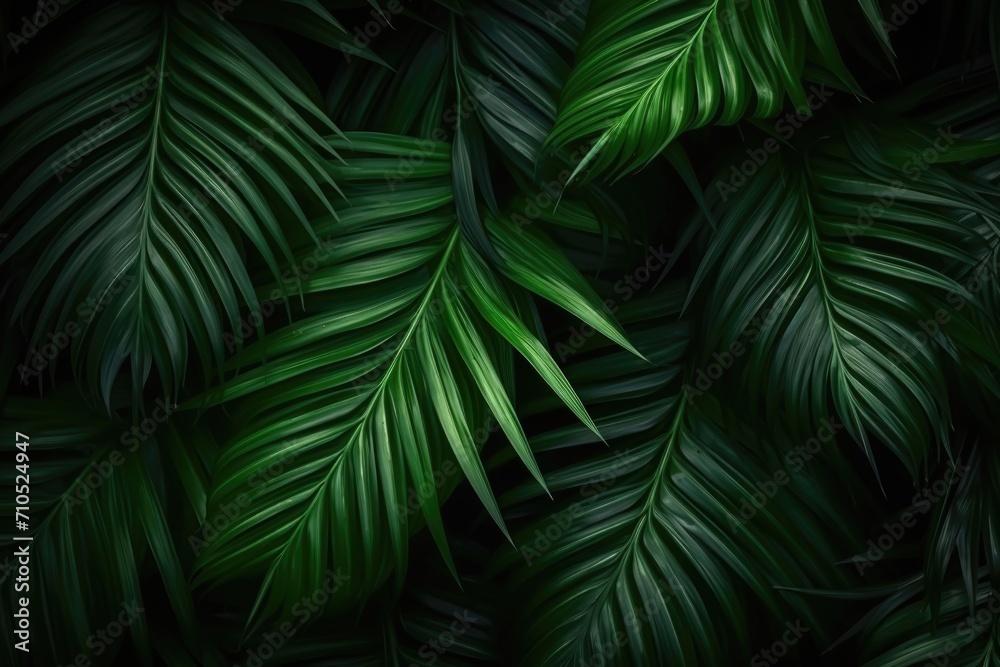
pixel 795 460
pixel 914 168
pixel 630 283
pixel 47 11
pixel 921 504
pixel 901 13
pixel 758 157
pixel 779 649
pixel 431 650
pixel 705 378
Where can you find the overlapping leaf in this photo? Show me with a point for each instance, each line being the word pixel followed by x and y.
pixel 99 502
pixel 491 78
pixel 384 384
pixel 902 630
pixel 434 619
pixel 850 252
pixel 648 555
pixel 175 138
pixel 647 71
pixel 965 526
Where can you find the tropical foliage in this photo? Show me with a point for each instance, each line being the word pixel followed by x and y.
pixel 469 332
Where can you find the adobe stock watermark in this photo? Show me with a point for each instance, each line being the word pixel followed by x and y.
pixel 215 525
pixel 550 192
pixel 723 16
pixel 223 7
pixel 458 111
pixel 303 610
pixel 363 37
pixel 758 157
pixel 93 137
pixel 249 325
pixel 290 279
pixel 630 283
pixel 901 13
pixel 431 650
pixel 47 11
pixel 656 260
pixel 103 638
pixel 253 143
pixel 147 427
pixel 971 627
pixel 86 485
pixel 914 168
pixel 381 19
pixel 381 359
pixel 929 328
pixel 418 495
pixel 39 359
pixel 389 349
pixel 779 649
pixel 795 460
pixel 921 504
pixel 562 521
pixel 564 11
pixel 603 654
pixel 706 377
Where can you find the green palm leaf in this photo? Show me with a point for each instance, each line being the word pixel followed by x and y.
pixel 308 18
pixel 514 54
pixel 964 527
pixel 384 381
pixel 903 631
pixel 99 509
pixel 434 619
pixel 492 79
pixel 649 555
pixel 854 247
pixel 648 71
pixel 404 263
pixel 149 147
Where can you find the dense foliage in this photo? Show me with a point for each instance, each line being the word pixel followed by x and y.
pixel 495 332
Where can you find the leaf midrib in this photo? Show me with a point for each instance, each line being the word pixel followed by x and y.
pixel 657 81
pixel 377 392
pixel 643 518
pixel 147 207
pixel 819 269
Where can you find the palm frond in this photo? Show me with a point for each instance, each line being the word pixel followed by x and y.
pixel 964 525
pixel 100 521
pixel 902 630
pixel 150 146
pixel 648 71
pixel 650 551
pixel 844 262
pixel 434 619
pixel 384 382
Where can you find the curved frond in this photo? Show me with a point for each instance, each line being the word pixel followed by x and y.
pixel 386 381
pixel 964 527
pixel 902 631
pixel 658 543
pixel 839 269
pixel 98 519
pixel 648 71
pixel 146 150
